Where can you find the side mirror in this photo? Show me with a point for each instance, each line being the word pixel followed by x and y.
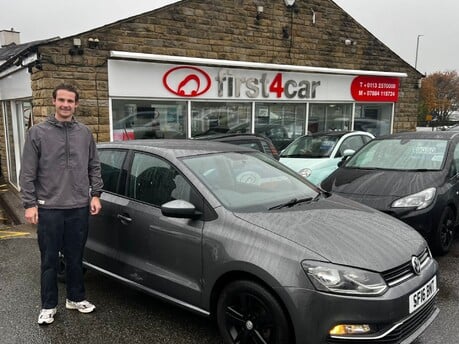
pixel 180 209
pixel 348 153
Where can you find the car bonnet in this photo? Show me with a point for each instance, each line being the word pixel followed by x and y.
pixel 343 232
pixel 361 184
pixel 298 164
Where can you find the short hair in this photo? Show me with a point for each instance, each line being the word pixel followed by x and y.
pixel 66 87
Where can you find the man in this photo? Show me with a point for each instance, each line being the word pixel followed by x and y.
pixel 61 184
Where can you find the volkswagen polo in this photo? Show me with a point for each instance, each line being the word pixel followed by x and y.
pixel 228 232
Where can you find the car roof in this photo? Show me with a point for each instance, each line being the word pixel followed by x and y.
pixel 446 135
pixel 177 148
pixel 337 133
pixel 231 137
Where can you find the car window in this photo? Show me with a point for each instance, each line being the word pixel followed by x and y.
pixel 111 162
pixel 155 181
pixel 401 154
pixel 318 146
pixel 456 160
pixel 352 142
pixel 248 182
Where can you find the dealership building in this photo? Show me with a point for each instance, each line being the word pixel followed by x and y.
pixel 197 67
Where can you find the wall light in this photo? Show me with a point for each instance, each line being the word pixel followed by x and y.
pixel 259 13
pixel 349 42
pixel 76 49
pixel 93 43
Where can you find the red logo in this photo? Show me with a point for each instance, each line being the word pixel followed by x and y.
pixel 187 81
pixel 375 88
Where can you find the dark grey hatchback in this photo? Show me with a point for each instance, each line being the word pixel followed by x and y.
pixel 413 176
pixel 227 231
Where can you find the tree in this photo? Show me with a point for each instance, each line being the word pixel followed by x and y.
pixel 440 95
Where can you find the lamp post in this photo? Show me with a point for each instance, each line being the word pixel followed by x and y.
pixel 417 49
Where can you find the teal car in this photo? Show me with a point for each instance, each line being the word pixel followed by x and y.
pixel 315 156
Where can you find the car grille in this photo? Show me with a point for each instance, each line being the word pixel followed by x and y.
pixel 403 272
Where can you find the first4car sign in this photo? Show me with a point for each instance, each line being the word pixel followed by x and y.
pixel 147 79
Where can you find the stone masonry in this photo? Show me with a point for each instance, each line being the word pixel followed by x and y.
pixel 219 29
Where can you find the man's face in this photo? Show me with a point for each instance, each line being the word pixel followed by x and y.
pixel 65 105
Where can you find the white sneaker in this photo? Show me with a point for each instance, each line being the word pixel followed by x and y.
pixel 46 316
pixel 82 306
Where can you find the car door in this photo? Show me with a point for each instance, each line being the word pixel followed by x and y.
pixel 102 245
pixel 158 252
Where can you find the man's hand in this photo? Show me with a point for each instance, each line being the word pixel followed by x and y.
pixel 95 206
pixel 31 215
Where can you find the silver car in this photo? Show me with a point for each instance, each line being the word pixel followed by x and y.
pixel 226 231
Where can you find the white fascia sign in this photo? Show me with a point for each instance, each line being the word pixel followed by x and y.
pixel 150 79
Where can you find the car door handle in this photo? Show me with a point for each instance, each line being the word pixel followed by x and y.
pixel 124 218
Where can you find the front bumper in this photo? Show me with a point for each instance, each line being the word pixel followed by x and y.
pixel 317 312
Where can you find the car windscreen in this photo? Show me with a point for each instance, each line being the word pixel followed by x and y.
pixel 247 182
pixel 401 154
pixel 311 147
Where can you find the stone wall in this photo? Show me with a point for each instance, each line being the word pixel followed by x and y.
pixel 221 29
pixel 3 162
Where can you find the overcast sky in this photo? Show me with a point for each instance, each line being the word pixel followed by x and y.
pixel 397 23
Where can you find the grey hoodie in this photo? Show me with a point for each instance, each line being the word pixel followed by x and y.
pixel 60 167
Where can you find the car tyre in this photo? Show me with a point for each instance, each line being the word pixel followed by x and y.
pixel 248 313
pixel 444 234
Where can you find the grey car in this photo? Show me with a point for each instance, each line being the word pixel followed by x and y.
pixel 229 232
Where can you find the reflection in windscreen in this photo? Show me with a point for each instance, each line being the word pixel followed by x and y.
pixel 396 154
pixel 248 182
pixel 311 147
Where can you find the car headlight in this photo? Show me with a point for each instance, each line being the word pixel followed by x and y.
pixel 305 172
pixel 344 280
pixel 418 200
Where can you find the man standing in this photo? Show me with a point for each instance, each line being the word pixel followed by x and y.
pixel 61 184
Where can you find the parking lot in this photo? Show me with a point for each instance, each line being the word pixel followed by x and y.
pixel 127 316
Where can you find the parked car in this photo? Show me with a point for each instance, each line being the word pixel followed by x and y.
pixel 229 232
pixel 453 128
pixel 277 133
pixel 315 156
pixel 254 141
pixel 412 176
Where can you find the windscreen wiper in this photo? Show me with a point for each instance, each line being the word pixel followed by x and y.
pixel 292 202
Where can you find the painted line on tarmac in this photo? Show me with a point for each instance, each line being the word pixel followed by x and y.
pixel 8 234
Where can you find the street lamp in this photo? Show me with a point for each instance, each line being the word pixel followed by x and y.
pixel 417 48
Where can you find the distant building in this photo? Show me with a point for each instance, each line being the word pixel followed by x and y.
pixel 197 67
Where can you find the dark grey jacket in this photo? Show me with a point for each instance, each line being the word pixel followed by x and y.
pixel 60 166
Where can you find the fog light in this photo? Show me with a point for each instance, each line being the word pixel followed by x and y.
pixel 344 329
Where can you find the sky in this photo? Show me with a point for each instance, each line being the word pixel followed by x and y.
pixel 396 23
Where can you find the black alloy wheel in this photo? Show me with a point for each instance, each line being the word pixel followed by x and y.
pixel 444 234
pixel 248 313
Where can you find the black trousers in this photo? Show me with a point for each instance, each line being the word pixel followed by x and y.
pixel 63 230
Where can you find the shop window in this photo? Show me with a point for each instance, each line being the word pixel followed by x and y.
pixel 374 118
pixel 330 117
pixel 148 119
pixel 280 122
pixel 208 118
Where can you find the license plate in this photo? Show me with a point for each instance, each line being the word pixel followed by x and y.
pixel 423 294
